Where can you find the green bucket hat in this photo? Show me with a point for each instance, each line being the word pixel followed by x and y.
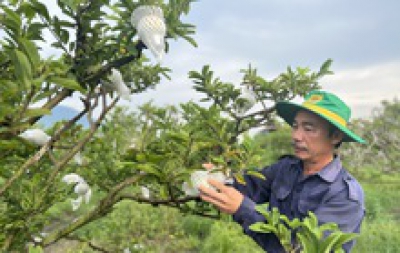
pixel 324 104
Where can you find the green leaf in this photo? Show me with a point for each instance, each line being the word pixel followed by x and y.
pixel 35 31
pixel 9 144
pixel 329 227
pixel 256 174
pixel 30 49
pixel 35 249
pixel 28 10
pixel 11 20
pixel 17 127
pixel 295 223
pixel 240 179
pixel 66 83
pixel 283 231
pixel 41 9
pixel 36 112
pixel 263 209
pixel 65 23
pixel 22 67
pixel 329 242
pixel 275 216
pixel 313 220
pixel 344 237
pixel 8 89
pixel 325 66
pixel 64 36
pixel 149 169
pixel 308 245
pixel 261 227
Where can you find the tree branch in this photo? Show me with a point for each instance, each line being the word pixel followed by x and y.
pixel 100 211
pixel 167 202
pixel 43 150
pixel 82 143
pixel 52 103
pixel 116 64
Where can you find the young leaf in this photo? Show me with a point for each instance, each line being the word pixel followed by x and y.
pixel 149 169
pixel 240 179
pixel 263 228
pixel 30 49
pixel 344 238
pixel 308 245
pixel 329 242
pixel 263 209
pixel 11 20
pixel 22 67
pixel 35 112
pixel 256 174
pixel 41 9
pixel 66 83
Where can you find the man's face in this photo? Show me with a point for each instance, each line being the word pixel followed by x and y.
pixel 310 135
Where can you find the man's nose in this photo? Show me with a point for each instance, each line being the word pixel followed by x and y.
pixel 296 134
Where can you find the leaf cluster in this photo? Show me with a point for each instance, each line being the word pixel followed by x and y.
pixel 311 236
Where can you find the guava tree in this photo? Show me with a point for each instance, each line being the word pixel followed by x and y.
pixel 105 54
pixel 101 52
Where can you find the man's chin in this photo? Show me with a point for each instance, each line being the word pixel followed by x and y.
pixel 300 155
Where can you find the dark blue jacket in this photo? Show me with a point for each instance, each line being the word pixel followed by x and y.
pixel 332 194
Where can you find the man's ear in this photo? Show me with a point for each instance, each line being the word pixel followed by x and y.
pixel 337 137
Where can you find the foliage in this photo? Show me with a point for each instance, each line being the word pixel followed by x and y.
pixel 227 237
pixel 311 236
pixel 165 144
pixel 380 231
pixel 275 143
pixel 192 233
pixel 227 97
pixel 383 141
pixel 93 37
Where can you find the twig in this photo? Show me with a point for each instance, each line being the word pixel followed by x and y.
pixel 115 64
pixel 8 241
pixel 52 157
pixel 100 211
pixel 56 36
pixel 80 144
pixel 157 202
pixel 52 103
pixel 166 202
pixel 43 150
pixel 25 105
pixel 261 112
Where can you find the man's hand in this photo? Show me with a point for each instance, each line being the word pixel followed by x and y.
pixel 227 199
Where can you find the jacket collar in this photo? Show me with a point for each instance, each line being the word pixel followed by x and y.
pixel 327 173
pixel 331 170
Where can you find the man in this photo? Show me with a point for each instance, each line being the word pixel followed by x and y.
pixel 313 180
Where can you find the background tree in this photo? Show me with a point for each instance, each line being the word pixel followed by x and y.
pixel 383 137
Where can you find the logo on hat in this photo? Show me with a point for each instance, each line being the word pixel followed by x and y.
pixel 315 99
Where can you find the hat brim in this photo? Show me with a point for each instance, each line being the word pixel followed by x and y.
pixel 288 111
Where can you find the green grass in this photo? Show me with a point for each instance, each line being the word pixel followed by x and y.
pixel 381 228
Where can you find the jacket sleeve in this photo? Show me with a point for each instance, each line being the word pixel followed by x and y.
pixel 257 191
pixel 345 208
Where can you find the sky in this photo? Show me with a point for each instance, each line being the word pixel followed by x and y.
pixel 361 37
